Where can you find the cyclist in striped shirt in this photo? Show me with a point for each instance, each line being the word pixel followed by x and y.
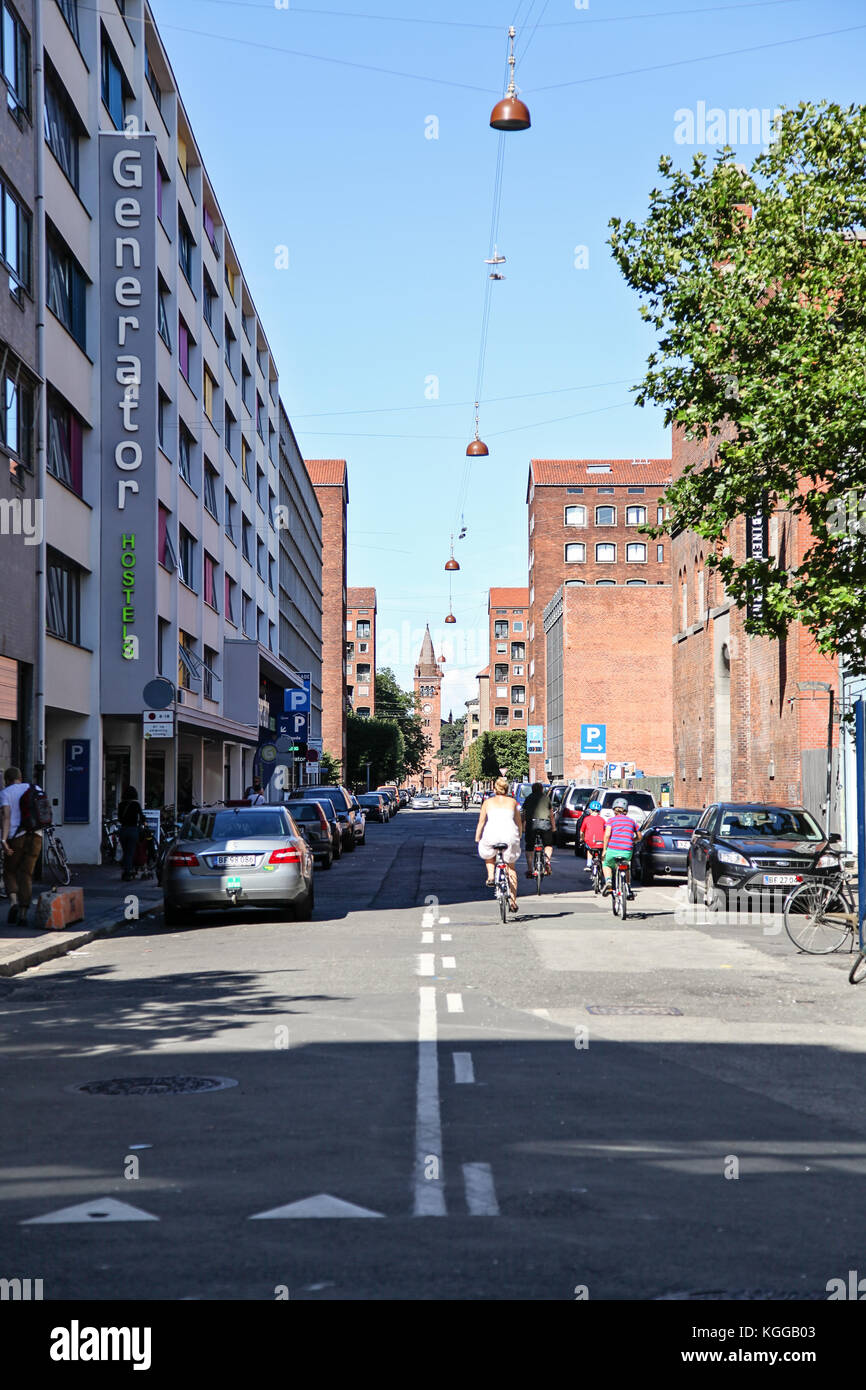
pixel 619 842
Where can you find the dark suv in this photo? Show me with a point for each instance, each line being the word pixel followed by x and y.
pixel 340 799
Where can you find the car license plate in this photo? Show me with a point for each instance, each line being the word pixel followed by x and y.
pixel 681 844
pixel 233 885
pixel 234 861
pixel 783 878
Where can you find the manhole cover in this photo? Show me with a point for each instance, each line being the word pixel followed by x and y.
pixel 154 1085
pixel 631 1009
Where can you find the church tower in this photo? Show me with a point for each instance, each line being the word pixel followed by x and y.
pixel 428 682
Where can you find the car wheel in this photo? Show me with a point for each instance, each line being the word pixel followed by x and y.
pixel 349 846
pixel 691 886
pixel 715 899
pixel 172 915
pixel 303 907
pixel 328 860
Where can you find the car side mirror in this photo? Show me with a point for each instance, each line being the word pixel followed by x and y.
pixel 835 839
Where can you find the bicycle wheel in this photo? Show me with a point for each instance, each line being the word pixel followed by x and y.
pixel 502 895
pixel 539 871
pixel 54 862
pixel 623 894
pixel 813 919
pixel 614 893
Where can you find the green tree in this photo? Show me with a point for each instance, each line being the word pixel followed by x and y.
pixel 378 742
pixel 329 770
pixel 761 356
pixel 488 758
pixel 396 706
pixel 510 746
pixel 451 745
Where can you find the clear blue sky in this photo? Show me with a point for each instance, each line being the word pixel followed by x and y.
pixel 387 232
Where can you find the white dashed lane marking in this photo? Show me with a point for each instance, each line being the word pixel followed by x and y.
pixel 426 964
pixel 480 1192
pixel 449 962
pixel 455 1003
pixel 464 1071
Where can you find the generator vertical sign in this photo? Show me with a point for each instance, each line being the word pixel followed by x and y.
pixel 128 285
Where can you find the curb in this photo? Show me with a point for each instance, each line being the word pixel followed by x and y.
pixel 64 943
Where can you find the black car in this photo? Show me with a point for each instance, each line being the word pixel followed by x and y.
pixel 376 805
pixel 664 842
pixel 336 830
pixel 320 831
pixel 340 799
pixel 754 848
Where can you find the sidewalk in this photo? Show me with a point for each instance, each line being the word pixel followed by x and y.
pixel 106 900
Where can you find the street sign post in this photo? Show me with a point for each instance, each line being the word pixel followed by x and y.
pixel 158 723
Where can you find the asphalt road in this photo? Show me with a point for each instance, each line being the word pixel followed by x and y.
pixel 662 1108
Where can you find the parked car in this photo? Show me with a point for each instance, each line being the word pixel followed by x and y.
pixel 423 801
pixel 569 812
pixel 340 799
pixel 331 817
pixel 229 857
pixel 319 832
pixel 664 842
pixel 756 848
pixel 390 790
pixel 520 791
pixel 360 822
pixel 477 798
pixel 403 797
pixel 640 803
pixel 455 799
pixel 556 793
pixel 376 806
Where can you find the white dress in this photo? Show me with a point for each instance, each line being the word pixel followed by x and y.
pixel 500 829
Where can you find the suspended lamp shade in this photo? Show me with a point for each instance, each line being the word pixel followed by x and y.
pixel 442 659
pixel 510 114
pixel 452 564
pixel 477 449
pixel 450 619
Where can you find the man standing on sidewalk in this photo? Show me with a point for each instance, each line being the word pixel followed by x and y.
pixel 22 847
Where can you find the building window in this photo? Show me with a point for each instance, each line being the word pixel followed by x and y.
pixel 260 487
pixel 500 718
pixel 685 607
pixel 230 599
pixel 185 247
pixel 162 407
pixel 209 674
pixel 150 79
pixel 15 45
pixel 500 630
pixel 162 316
pixel 161 180
pixel 230 341
pixel 635 553
pixel 575 554
pixel 209 299
pixel 605 489
pixel 65 443
pixel 113 84
pixel 246 613
pixel 246 381
pixel 185 659
pixel 660 553
pixel 575 516
pixel 186 558
pixel 245 464
pixel 517 714
pixel 635 516
pixel 700 593
pixel 500 672
pixel 61 130
pixel 362 628
pixel 660 515
pixel 363 673
pixel 517 670
pixel 184 454
pixel 183 341
pixel 63 611
pixel 605 554
pixel 260 558
pixel 635 583
pixel 66 290
pixel 230 433
pixel 518 694
pixel 17 416
pixel 69 10
pixel 210 589
pixel 569 584
pixel 260 406
pixel 605 516
pixel 165 548
pixel 15 240
pixel 210 229
pixel 231 278
pixel 518 651
pixel 246 531
pixel 231 511
pixel 605 583
pixel 574 489
pixel 210 492
pixel 209 388
pixel 272 572
pixel 517 626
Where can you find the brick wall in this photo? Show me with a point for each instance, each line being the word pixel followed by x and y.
pixel 332 500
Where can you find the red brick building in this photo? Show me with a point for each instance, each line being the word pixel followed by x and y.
pixel 428 689
pixel 588 682
pixel 743 728
pixel 361 651
pixel 507 612
pixel 584 517
pixel 330 479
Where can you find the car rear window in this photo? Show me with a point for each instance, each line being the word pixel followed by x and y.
pixel 305 810
pixel 232 825
pixel 683 820
pixel 642 799
pixel 336 797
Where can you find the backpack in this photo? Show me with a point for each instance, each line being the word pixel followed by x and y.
pixel 35 810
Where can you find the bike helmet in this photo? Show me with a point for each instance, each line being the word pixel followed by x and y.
pixel 594 806
pixel 620 804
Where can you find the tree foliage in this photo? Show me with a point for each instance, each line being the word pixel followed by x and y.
pixel 396 706
pixel 493 750
pixel 451 743
pixel 329 770
pixel 378 742
pixel 761 357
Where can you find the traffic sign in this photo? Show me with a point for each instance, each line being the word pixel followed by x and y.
pixel 535 738
pixel 593 740
pixel 158 693
pixel 158 723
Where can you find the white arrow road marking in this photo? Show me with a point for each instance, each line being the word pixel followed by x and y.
pixel 321 1205
pixel 426 964
pixel 426 938
pixel 449 963
pixel 455 1003
pixel 101 1209
pixel 429 1181
pixel 464 1072
pixel 480 1192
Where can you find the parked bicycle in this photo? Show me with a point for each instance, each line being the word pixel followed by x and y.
pixel 54 861
pixel 820 916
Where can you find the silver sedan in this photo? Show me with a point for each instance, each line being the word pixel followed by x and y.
pixel 241 856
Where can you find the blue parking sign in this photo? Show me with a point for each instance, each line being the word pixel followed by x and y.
pixel 593 740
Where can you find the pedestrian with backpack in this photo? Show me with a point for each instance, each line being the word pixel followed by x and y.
pixel 131 817
pixel 23 809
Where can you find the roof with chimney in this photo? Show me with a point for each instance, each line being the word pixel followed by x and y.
pixel 606 472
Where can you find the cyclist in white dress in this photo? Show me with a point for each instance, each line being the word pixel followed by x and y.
pixel 499 824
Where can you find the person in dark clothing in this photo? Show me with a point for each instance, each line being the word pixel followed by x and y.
pixel 131 818
pixel 538 819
